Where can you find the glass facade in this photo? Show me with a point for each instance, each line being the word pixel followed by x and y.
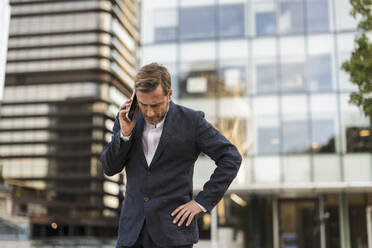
pixel 70 65
pixel 276 62
pixel 267 74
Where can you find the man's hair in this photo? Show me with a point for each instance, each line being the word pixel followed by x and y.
pixel 150 76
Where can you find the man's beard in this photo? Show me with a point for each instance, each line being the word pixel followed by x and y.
pixel 156 119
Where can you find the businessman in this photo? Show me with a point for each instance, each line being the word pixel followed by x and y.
pixel 158 150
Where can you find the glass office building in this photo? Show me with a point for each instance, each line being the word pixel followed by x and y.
pixel 70 65
pixel 267 74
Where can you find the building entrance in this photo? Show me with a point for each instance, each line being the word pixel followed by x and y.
pixel 299 225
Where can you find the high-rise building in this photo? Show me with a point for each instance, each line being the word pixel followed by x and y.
pixel 267 73
pixel 4 29
pixel 70 65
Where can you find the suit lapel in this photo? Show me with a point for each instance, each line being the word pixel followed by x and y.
pixel 169 123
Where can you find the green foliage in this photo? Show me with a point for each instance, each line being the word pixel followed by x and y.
pixel 359 66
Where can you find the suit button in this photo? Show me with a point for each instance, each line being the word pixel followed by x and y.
pixel 146 199
pixel 148 173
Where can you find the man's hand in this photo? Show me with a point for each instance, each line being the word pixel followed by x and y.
pixel 187 210
pixel 125 125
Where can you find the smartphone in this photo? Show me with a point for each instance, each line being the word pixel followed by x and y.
pixel 132 109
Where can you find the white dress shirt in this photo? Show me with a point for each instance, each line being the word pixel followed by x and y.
pixel 150 140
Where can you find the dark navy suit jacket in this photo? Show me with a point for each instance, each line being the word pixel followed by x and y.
pixel 154 192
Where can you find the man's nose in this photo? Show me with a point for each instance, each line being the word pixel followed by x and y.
pixel 150 112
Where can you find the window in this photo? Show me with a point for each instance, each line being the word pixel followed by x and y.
pixel 317 15
pixel 268 140
pixel 320 72
pixel 323 136
pixel 197 22
pixel 292 77
pixel 359 139
pixel 231 20
pixel 233 80
pixel 265 18
pixel 266 78
pixel 199 81
pixel 265 23
pixel 291 19
pixel 166 23
pixel 296 137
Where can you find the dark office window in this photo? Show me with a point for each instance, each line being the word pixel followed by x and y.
pixel 296 137
pixel 231 20
pixel 197 23
pixel 198 84
pixel 317 15
pixel 359 139
pixel 320 72
pixel 292 78
pixel 323 133
pixel 265 23
pixel 268 140
pixel 291 19
pixel 266 78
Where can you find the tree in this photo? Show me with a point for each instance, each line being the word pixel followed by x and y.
pixel 359 66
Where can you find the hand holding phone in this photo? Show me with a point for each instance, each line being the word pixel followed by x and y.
pixel 132 108
pixel 128 113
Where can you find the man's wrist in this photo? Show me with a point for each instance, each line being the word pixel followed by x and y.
pixel 125 137
pixel 202 208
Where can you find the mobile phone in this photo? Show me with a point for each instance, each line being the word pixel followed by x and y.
pixel 132 109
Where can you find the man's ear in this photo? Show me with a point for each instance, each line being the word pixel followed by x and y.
pixel 170 92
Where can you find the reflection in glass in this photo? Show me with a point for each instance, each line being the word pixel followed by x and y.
pixel 268 140
pixel 291 19
pixel 320 72
pixel 296 137
pixel 266 78
pixel 317 15
pixel 323 136
pixel 199 80
pixel 265 18
pixel 197 22
pixel 235 130
pixel 232 80
pixel 292 77
pixel 231 20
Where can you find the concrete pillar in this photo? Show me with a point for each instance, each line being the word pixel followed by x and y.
pixel 344 221
pixel 214 228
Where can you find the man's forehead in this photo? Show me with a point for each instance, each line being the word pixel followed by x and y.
pixel 150 97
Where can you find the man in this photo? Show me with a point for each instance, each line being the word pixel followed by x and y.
pixel 158 149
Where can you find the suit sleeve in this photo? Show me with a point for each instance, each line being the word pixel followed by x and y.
pixel 227 158
pixel 115 154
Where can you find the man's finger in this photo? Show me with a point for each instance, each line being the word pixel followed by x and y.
pixel 179 215
pixel 191 217
pixel 177 210
pixel 124 104
pixel 185 215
